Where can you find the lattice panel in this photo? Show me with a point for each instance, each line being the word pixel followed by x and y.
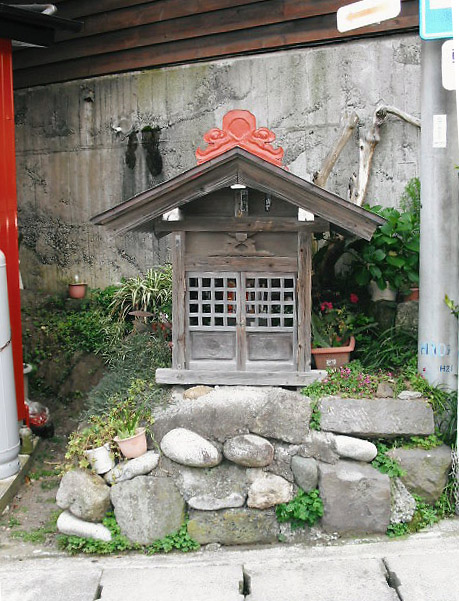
pixel 212 299
pixel 270 300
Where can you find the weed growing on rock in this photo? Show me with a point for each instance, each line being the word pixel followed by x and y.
pixel 304 510
pixel 314 422
pixel 425 515
pixel 385 464
pixel 179 540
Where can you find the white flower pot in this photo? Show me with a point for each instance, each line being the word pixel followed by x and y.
pixel 101 459
pixel 377 294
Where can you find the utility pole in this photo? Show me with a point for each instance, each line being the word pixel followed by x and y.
pixel 439 255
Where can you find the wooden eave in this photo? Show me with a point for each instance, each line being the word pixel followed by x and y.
pixel 237 166
pixel 23 25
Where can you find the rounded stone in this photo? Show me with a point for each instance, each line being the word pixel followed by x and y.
pixel 305 472
pixel 249 450
pixel 355 448
pixel 73 526
pixel 84 494
pixel 188 448
pixel 268 490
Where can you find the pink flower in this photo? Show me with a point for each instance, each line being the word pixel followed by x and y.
pixel 354 298
pixel 326 306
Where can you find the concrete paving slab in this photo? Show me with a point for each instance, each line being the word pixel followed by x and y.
pixel 193 583
pixel 40 584
pixel 427 577
pixel 347 580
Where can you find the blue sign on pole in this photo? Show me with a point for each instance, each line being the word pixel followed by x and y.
pixel 435 19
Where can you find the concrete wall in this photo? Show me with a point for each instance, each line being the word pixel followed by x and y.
pixel 72 164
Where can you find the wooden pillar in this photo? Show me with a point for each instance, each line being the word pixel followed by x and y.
pixel 178 300
pixel 9 216
pixel 304 301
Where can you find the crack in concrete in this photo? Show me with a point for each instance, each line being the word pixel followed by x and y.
pixel 245 585
pixel 392 579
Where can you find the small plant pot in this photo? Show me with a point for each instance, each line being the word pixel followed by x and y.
pixel 412 295
pixel 134 446
pixel 101 459
pixel 77 290
pixel 333 357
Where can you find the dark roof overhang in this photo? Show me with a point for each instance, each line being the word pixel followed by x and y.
pixel 237 166
pixel 31 27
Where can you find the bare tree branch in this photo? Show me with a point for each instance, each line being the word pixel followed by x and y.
pixel 350 122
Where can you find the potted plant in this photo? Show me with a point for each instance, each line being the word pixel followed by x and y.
pixel 126 419
pixel 91 446
pixel 333 331
pixel 77 289
pixel 390 260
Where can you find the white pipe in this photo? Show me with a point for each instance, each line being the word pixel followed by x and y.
pixel 9 433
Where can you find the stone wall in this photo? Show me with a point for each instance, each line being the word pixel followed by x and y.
pixel 230 455
pixel 85 146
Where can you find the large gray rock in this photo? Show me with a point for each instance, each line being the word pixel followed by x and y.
pixel 268 490
pixel 402 503
pixel 69 524
pixel 212 486
pixel 84 494
pixel 147 508
pixel 305 472
pixel 355 448
pixel 234 526
pixel 356 498
pixel 126 470
pixel 320 446
pixel 188 448
pixel 426 471
pixel 228 411
pixel 374 418
pixel 249 450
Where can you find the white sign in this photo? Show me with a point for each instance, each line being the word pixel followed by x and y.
pixel 439 131
pixel 448 68
pixel 366 12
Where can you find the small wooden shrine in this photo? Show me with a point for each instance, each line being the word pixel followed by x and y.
pixel 241 228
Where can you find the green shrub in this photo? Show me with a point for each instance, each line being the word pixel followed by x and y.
pixel 135 359
pixel 304 510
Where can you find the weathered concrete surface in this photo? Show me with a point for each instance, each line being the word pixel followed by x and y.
pixel 72 164
pixel 234 526
pixel 196 583
pixel 426 471
pixel 33 584
pixel 427 577
pixel 351 581
pixel 373 418
pixel 356 498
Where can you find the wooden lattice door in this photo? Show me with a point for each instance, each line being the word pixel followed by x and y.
pixel 241 321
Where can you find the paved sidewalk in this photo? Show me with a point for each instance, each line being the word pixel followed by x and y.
pixel 424 567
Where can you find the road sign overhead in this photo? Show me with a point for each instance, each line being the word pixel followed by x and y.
pixel 435 19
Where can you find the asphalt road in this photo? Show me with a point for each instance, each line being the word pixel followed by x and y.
pixel 424 567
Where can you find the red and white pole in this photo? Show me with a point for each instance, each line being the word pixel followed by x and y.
pixel 9 216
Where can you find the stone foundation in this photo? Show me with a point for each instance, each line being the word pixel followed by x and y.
pixel 231 455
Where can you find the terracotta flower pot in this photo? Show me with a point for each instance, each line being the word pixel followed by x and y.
pixel 334 356
pixel 413 295
pixel 77 290
pixel 101 459
pixel 134 446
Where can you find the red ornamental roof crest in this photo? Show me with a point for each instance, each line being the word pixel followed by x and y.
pixel 239 128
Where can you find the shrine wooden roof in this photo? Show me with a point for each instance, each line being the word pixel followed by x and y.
pixel 237 166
